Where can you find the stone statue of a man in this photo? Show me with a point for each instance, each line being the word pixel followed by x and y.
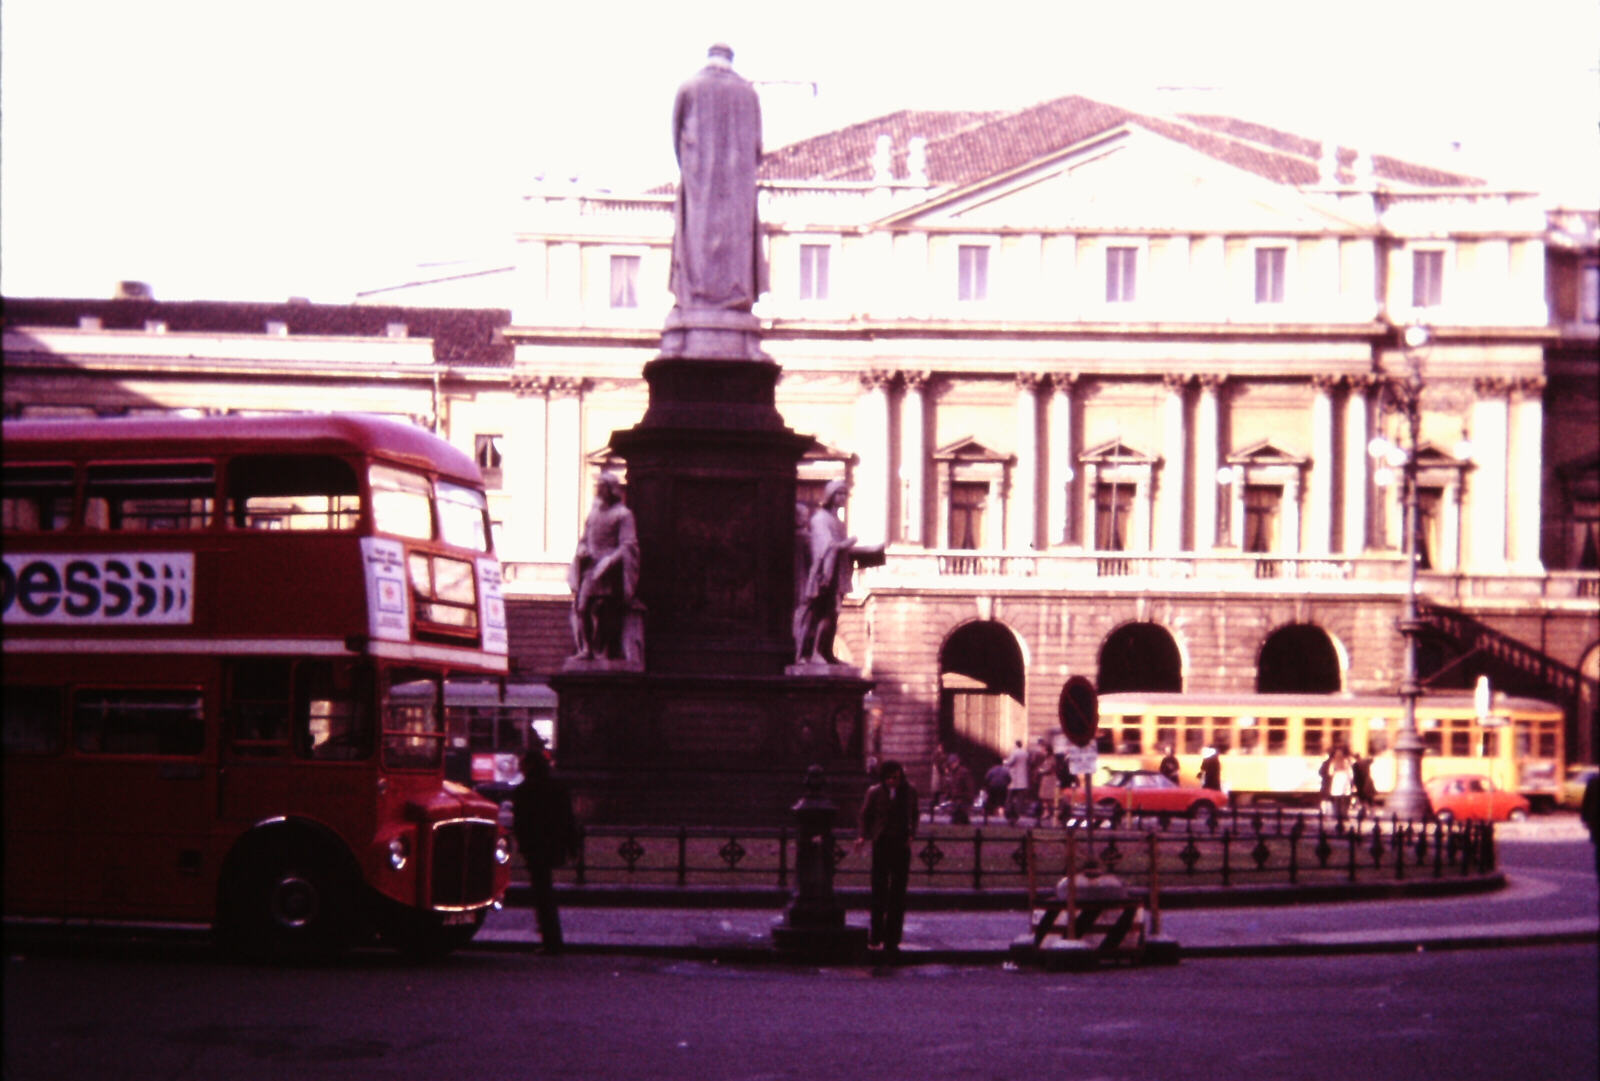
pixel 604 576
pixel 716 130
pixel 827 580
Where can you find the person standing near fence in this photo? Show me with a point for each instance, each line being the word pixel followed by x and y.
pixel 547 837
pixel 1210 774
pixel 888 823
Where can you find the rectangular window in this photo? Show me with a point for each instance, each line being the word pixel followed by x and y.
pixel 967 499
pixel 1261 503
pixel 150 496
pixel 302 492
pixel 973 271
pixel 1427 279
pixel 1130 738
pixel 1277 735
pixel 36 498
pixel 1194 735
pixel 1113 506
pixel 332 722
pixel 1378 736
pixel 1270 263
pixel 1589 295
pixel 463 516
pixel 813 272
pixel 1316 734
pixel 1460 738
pixel 401 503
pixel 32 720
pixel 444 592
pixel 1122 267
pixel 413 727
pixel 1222 734
pixel 486 449
pixel 1249 735
pixel 142 720
pixel 624 281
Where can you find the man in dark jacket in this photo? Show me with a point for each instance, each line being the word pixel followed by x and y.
pixel 888 823
pixel 547 836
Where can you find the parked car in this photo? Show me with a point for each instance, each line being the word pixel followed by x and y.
pixel 1572 788
pixel 1144 791
pixel 1474 796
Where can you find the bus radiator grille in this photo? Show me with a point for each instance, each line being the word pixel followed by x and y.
pixel 463 863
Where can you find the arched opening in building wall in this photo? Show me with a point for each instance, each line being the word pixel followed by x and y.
pixel 1583 739
pixel 1299 659
pixel 982 690
pixel 1140 657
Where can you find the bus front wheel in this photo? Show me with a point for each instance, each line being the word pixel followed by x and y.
pixel 287 906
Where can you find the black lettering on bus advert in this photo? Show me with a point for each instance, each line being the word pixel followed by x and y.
pixel 116 587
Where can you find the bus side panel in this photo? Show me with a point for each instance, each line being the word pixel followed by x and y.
pixel 36 799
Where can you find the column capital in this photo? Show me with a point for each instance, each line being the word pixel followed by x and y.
pixel 1325 383
pixel 915 380
pixel 1211 381
pixel 530 386
pixel 1030 381
pixel 1362 382
pixel 876 379
pixel 568 385
pixel 1528 386
pixel 1491 385
pixel 1175 380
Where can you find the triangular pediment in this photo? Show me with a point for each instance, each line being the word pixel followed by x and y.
pixel 1125 180
pixel 1116 452
pixel 968 449
pixel 819 451
pixel 1429 454
pixel 1265 452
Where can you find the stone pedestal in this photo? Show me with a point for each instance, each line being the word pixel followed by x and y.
pixel 712 731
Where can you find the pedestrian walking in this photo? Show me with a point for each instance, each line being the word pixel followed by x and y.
pixel 995 783
pixel 547 837
pixel 1169 764
pixel 1017 766
pixel 888 823
pixel 1210 774
pixel 959 779
pixel 1361 776
pixel 1048 785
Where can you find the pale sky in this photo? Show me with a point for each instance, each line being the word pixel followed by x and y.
pixel 232 149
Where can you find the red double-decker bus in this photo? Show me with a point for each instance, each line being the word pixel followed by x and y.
pixel 226 643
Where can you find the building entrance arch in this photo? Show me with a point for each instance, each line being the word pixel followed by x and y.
pixel 1299 659
pixel 1140 657
pixel 982 692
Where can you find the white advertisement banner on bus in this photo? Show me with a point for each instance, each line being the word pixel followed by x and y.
pixel 388 598
pixel 492 601
pixel 98 588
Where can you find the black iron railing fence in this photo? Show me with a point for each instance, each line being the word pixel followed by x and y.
pixel 1226 850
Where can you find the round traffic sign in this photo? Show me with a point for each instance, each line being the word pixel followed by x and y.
pixel 1079 710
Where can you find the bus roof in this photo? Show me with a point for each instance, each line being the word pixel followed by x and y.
pixel 1183 701
pixel 146 437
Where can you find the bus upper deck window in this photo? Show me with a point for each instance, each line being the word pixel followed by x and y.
pixel 149 496
pixel 302 492
pixel 463 517
pixel 36 498
pixel 402 502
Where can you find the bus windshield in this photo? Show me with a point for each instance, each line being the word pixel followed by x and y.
pixel 463 516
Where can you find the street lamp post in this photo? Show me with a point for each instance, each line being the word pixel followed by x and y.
pixel 1408 799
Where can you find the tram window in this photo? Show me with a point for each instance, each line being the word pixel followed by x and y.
pixel 1524 745
pixel 1315 736
pixel 1221 735
pixel 331 721
pixel 1378 736
pixel 1277 735
pixel 1460 739
pixel 1433 741
pixel 1339 730
pixel 1547 740
pixel 301 492
pixel 1249 735
pixel 1194 735
pixel 149 496
pixel 32 720
pixel 139 720
pixel 1130 736
pixel 1491 744
pixel 36 498
pixel 1166 732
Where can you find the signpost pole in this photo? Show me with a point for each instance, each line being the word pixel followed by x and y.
pixel 1078 711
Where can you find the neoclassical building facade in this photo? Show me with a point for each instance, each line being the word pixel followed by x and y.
pixel 1124 396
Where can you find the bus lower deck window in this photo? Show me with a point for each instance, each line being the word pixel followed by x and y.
pixel 139 720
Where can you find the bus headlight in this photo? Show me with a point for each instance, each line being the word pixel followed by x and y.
pixel 398 853
pixel 502 851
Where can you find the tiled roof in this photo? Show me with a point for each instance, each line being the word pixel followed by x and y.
pixel 966 147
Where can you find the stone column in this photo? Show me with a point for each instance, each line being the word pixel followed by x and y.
pixel 1356 464
pixel 1024 532
pixel 868 516
pixel 1291 516
pixel 565 497
pixel 1058 464
pixel 1319 512
pixel 527 458
pixel 1169 485
pixel 913 457
pixel 1206 444
pixel 1491 438
pixel 1527 465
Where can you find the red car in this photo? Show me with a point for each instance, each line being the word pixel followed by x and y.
pixel 1144 791
pixel 1469 795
